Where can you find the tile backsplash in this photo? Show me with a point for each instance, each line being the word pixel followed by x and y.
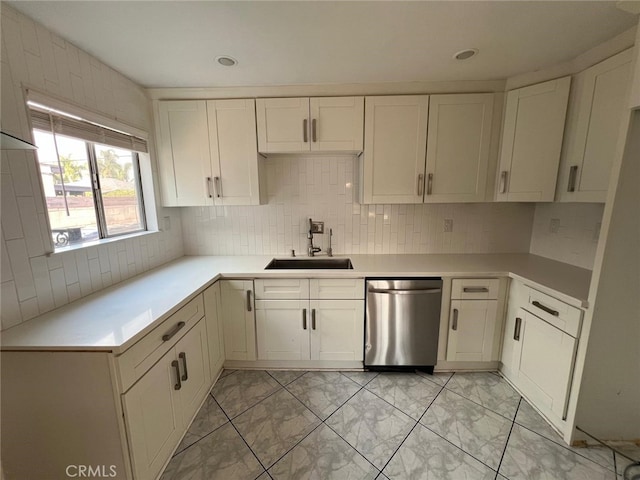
pixel 325 188
pixel 567 232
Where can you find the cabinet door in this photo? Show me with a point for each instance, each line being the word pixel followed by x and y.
pixel 283 125
pixel 215 334
pixel 282 328
pixel 232 130
pixel 532 141
pixel 518 296
pixel 337 329
pixel 395 142
pixel 184 157
pixel 153 418
pixel 458 147
pixel 238 319
pixel 471 330
pixel 193 358
pixel 594 128
pixel 545 366
pixel 337 124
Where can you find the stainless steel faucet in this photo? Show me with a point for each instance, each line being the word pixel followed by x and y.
pixel 311 250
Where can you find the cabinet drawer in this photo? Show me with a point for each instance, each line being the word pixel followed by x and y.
pixel 474 288
pixel 557 313
pixel 336 288
pixel 281 288
pixel 133 363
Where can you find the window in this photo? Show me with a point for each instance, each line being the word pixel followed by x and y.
pixel 91 180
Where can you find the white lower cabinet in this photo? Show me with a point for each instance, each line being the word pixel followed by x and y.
pixel 127 411
pixel 310 329
pixel 238 319
pixel 538 353
pixel 322 320
pixel 471 330
pixel 161 405
pixel 544 365
pixel 282 329
pixel 473 326
pixel 212 309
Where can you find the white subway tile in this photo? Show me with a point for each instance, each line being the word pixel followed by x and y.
pixel 42 282
pixel 29 309
pixel 10 311
pixel 59 287
pixel 21 268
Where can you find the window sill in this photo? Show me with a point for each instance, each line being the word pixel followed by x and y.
pixel 102 241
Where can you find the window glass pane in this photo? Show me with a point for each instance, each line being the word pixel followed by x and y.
pixel 67 189
pixel 121 198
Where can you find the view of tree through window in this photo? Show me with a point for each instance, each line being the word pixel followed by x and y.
pixel 92 191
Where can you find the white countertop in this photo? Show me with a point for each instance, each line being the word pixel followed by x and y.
pixel 115 318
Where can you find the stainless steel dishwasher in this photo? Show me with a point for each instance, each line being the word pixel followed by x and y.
pixel 402 323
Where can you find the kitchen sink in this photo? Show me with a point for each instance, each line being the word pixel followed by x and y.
pixel 310 263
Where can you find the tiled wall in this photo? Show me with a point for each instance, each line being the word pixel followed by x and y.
pixel 325 188
pixel 33 283
pixel 576 239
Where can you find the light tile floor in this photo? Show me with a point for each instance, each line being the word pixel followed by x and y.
pixel 364 425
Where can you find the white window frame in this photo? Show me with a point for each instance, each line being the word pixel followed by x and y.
pixel 146 194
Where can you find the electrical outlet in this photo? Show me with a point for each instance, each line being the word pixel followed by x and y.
pixel 448 224
pixel 317 227
pixel 554 225
pixel 167 224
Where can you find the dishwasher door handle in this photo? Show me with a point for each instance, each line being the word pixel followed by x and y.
pixel 390 291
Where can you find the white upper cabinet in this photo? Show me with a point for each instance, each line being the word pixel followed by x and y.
pixel 207 152
pixel 458 147
pixel 395 141
pixel 301 125
pixel 532 141
pixel 184 158
pixel 234 157
pixel 599 101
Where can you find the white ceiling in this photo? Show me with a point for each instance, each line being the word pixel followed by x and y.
pixel 174 43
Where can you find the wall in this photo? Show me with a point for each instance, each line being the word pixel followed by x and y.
pixel 325 188
pixel 576 239
pixel 610 392
pixel 31 282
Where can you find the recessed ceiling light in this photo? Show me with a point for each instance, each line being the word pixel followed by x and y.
pixel 226 61
pixel 465 54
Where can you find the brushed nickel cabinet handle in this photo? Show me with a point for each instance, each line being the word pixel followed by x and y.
pixel 176 366
pixel 248 300
pixel 503 181
pixel 573 174
pixel 314 136
pixel 183 356
pixel 209 185
pixel 304 318
pixel 475 290
pixel 305 134
pixel 454 324
pixel 169 335
pixel 516 330
pixel 430 184
pixel 313 319
pixel 544 308
pixel 216 181
pixel 420 184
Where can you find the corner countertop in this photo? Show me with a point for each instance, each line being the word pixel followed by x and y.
pixel 113 319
